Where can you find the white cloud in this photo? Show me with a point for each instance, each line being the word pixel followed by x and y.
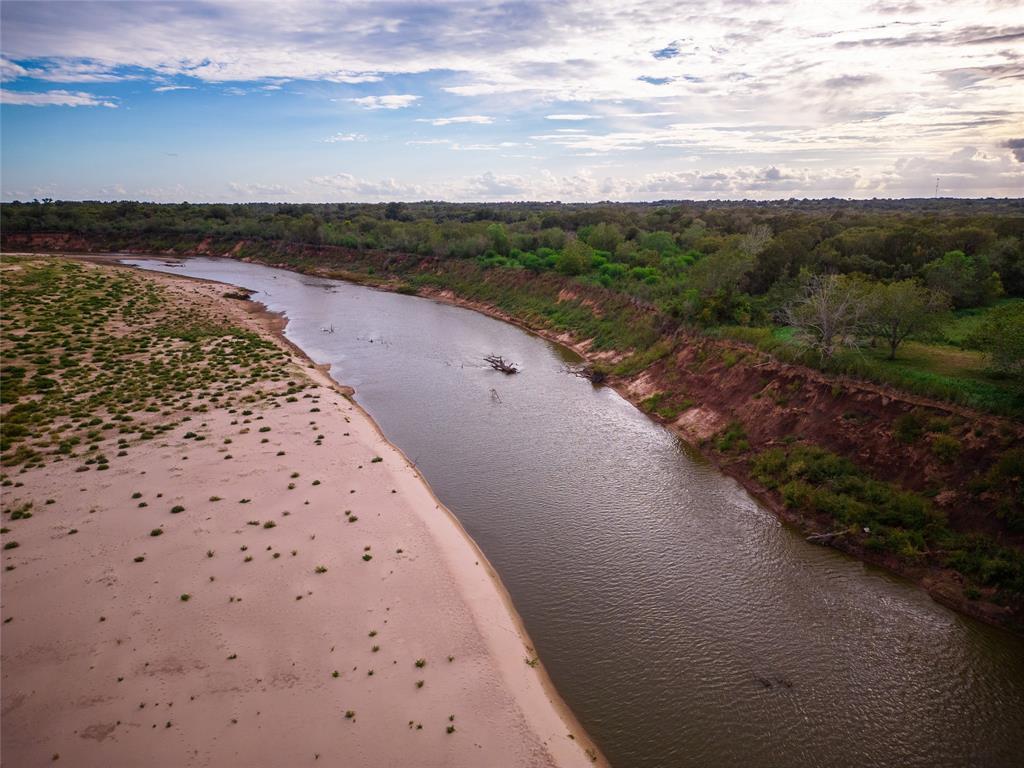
pixel 166 88
pixel 474 119
pixel 569 117
pixel 261 191
pixel 10 70
pixel 346 186
pixel 54 99
pixel 393 101
pixel 344 137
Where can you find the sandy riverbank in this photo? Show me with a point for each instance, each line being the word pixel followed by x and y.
pixel 268 661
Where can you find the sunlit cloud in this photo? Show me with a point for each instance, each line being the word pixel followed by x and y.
pixel 472 119
pixel 396 101
pixel 344 137
pixel 54 99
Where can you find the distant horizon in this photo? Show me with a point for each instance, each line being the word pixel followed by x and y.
pixel 511 100
pixel 662 201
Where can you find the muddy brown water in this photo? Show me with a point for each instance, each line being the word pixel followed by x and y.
pixel 680 621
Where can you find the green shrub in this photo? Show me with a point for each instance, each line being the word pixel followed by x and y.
pixel 732 438
pixel 946 447
pixel 909 427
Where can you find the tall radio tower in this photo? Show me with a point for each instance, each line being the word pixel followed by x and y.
pixel 936 186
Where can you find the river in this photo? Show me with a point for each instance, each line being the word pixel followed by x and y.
pixel 681 622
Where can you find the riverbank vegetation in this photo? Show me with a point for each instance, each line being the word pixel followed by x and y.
pixel 884 518
pixel 761 331
pixel 90 368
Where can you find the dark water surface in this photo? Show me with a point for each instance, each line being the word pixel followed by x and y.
pixel 679 620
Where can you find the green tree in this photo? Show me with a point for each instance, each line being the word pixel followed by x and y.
pixel 717 278
pixel 576 258
pixel 552 237
pixel 898 310
pixel 1001 334
pixel 968 280
pixel 604 237
pixel 660 241
pixel 499 238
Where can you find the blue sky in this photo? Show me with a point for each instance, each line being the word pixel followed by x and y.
pixel 621 100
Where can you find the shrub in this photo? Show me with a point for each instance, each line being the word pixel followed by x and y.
pixel 946 447
pixel 909 427
pixel 732 438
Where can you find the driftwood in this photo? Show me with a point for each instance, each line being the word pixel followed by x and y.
pixel 585 371
pixel 497 362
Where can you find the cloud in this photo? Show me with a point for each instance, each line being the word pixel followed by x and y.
pixel 54 99
pixel 352 77
pixel 965 35
pixel 394 101
pixel 569 117
pixel 966 171
pixel 166 88
pixel 474 119
pixel 10 70
pixel 900 9
pixel 73 70
pixel 1016 146
pixel 354 188
pixel 261 191
pixel 848 82
pixel 344 137
pixel 454 145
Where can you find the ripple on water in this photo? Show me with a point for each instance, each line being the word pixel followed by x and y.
pixel 681 622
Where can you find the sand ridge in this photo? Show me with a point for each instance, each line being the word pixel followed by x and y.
pixel 324 609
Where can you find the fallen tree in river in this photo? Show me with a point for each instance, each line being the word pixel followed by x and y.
pixel 497 362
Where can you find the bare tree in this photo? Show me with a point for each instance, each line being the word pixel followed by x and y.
pixel 831 313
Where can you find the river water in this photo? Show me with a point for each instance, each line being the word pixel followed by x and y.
pixel 681 622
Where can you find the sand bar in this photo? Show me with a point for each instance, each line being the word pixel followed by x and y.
pixel 336 612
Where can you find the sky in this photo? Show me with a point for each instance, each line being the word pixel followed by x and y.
pixel 484 101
